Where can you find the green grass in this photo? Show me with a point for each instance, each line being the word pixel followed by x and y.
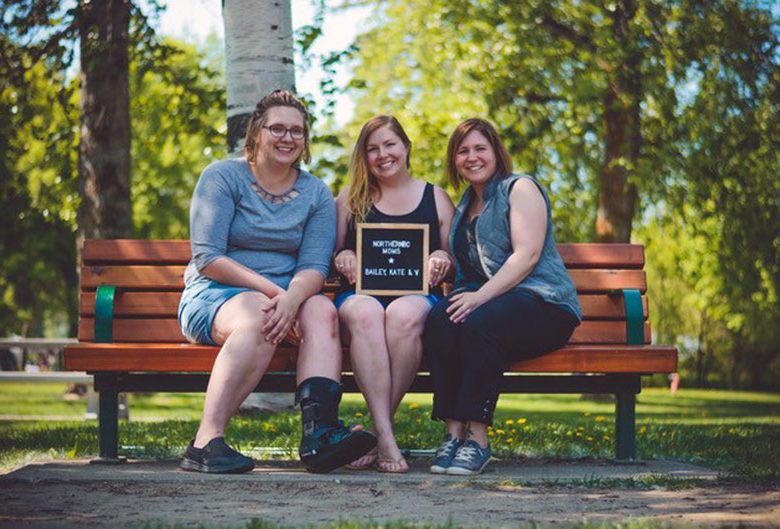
pixel 736 432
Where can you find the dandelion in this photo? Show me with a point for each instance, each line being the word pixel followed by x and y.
pixel 358 414
pixel 509 422
pixel 509 441
pixel 521 420
pixel 643 429
pixel 413 406
pixel 589 438
pixel 600 418
pixel 513 431
pixel 526 428
pixel 606 438
pixel 499 431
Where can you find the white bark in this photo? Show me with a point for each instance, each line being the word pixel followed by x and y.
pixel 259 58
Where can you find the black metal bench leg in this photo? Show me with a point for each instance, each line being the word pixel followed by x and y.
pixel 108 428
pixel 625 440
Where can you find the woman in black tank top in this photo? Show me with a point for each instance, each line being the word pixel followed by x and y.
pixel 385 333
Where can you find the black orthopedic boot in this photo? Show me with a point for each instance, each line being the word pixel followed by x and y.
pixel 326 443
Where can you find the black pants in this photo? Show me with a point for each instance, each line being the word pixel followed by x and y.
pixel 467 360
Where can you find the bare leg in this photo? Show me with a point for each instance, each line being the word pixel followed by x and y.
pixel 404 324
pixel 455 428
pixel 319 354
pixel 477 431
pixel 240 364
pixel 364 317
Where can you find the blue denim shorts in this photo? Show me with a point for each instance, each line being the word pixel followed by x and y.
pixel 432 299
pixel 199 304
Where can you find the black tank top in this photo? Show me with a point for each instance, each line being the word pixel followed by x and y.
pixel 424 213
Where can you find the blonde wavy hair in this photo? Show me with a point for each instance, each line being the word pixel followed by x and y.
pixel 364 189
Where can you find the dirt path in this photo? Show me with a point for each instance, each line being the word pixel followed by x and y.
pixel 76 494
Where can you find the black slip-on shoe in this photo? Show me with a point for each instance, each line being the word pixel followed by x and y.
pixel 215 458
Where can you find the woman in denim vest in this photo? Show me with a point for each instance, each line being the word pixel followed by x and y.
pixel 512 297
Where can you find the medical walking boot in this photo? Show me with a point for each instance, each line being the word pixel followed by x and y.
pixel 326 443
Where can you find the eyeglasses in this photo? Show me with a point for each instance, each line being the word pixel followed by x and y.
pixel 278 131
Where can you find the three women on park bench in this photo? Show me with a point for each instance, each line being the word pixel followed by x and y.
pixel 248 288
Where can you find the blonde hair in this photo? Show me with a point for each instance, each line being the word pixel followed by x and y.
pixel 277 98
pixel 364 188
pixel 503 161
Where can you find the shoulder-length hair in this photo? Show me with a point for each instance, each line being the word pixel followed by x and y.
pixel 258 119
pixel 503 161
pixel 364 188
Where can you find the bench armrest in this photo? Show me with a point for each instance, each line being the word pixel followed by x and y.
pixel 632 301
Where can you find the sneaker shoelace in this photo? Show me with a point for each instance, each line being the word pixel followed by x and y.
pixel 467 454
pixel 447 448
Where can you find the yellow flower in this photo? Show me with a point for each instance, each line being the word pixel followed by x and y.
pixel 606 438
pixel 499 431
pixel 526 428
pixel 589 438
pixel 586 414
pixel 413 406
pixel 600 418
pixel 509 422
pixel 509 441
pixel 358 414
pixel 643 429
pixel 521 421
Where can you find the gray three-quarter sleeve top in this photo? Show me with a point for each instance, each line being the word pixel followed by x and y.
pixel 228 218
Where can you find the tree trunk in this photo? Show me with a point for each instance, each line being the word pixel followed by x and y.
pixel 104 149
pixel 622 135
pixel 259 58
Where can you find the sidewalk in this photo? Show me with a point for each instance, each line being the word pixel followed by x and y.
pixel 69 494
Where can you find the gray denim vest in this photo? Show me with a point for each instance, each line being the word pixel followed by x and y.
pixel 549 279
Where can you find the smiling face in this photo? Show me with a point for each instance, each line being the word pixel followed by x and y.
pixel 475 159
pixel 386 154
pixel 285 150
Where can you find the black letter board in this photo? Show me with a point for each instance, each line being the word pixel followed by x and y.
pixel 392 259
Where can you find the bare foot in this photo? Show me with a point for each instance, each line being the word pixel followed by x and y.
pixel 365 462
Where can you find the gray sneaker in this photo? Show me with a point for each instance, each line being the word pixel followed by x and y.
pixel 469 459
pixel 445 454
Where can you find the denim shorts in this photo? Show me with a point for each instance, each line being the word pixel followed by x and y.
pixel 198 307
pixel 432 299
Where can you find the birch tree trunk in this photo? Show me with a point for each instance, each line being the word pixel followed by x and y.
pixel 259 58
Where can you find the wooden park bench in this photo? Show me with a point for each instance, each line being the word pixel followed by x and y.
pixel 129 337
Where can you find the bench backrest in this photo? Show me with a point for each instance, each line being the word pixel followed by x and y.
pixel 148 276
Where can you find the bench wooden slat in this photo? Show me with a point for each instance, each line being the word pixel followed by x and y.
pixel 129 251
pixel 172 277
pixel 602 255
pixel 162 357
pixel 136 251
pixel 167 330
pixel 166 304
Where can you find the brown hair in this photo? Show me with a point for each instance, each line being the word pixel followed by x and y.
pixel 277 98
pixel 503 161
pixel 364 188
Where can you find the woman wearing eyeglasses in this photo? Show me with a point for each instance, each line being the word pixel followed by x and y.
pixel 262 232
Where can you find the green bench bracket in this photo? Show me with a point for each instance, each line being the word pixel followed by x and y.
pixel 635 321
pixel 104 313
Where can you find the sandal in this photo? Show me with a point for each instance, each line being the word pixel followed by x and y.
pixel 392 466
pixel 365 462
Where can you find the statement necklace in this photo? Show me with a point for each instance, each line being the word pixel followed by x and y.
pixel 274 198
